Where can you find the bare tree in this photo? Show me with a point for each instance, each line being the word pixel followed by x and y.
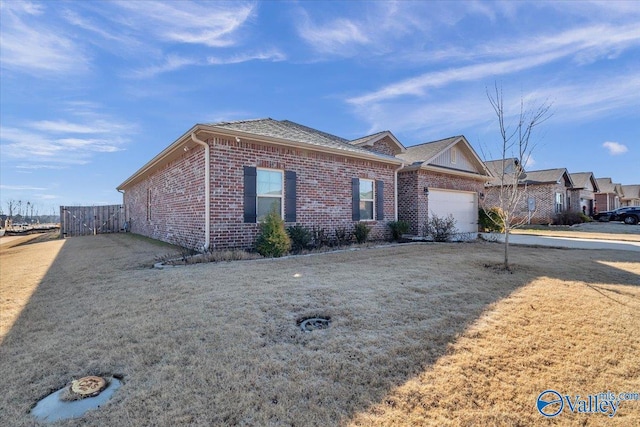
pixel 508 190
pixel 11 205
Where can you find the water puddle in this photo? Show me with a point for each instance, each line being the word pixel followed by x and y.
pixel 69 402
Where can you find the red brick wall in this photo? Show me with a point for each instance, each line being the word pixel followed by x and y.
pixel 323 193
pixel 384 146
pixel 413 204
pixel 544 196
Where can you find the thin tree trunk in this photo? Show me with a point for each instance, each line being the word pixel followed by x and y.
pixel 506 248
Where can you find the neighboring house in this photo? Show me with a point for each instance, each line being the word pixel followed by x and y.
pixel 545 193
pixel 630 195
pixel 583 192
pixel 441 178
pixel 608 196
pixel 212 186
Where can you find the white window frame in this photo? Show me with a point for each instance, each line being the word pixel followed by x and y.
pixel 559 202
pixel 372 200
pixel 281 196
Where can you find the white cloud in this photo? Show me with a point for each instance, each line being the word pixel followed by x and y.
pixel 20 188
pixel 33 46
pixel 76 139
pixel 615 148
pixel 213 24
pixel 338 36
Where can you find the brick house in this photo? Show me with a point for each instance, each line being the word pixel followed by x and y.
pixel 441 177
pixel 212 186
pixel 608 196
pixel 546 193
pixel 582 195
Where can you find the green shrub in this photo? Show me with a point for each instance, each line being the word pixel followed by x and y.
pixel 440 229
pixel 490 220
pixel 273 240
pixel 569 218
pixel 343 236
pixel 361 232
pixel 300 237
pixel 398 228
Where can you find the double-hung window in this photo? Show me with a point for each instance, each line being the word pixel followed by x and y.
pixel 559 202
pixel 366 199
pixel 269 195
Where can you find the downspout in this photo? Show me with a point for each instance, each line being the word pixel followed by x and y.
pixel 207 191
pixel 395 193
pixel 125 225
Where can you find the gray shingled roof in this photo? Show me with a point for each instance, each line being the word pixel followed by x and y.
pixel 581 179
pixel 423 152
pixel 606 185
pixel 545 176
pixel 631 191
pixel 366 138
pixel 285 129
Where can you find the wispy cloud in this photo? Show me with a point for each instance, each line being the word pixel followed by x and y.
pixel 615 148
pixel 31 45
pixel 48 144
pixel 213 24
pixel 20 188
pixel 338 36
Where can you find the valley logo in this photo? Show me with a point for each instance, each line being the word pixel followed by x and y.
pixel 550 403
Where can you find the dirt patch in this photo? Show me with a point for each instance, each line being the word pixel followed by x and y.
pixel 420 334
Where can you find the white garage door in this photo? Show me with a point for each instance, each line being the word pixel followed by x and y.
pixel 460 204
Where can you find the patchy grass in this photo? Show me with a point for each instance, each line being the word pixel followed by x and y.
pixel 420 334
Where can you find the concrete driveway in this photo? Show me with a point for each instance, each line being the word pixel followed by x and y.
pixel 564 242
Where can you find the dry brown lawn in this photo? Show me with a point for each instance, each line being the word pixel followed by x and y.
pixel 422 334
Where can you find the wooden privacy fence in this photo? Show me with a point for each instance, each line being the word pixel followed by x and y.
pixel 91 220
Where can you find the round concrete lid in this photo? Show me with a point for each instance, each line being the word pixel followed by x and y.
pixel 88 386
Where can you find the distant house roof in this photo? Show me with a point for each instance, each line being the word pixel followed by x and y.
pixel 630 192
pixel 582 179
pixel 605 185
pixel 424 154
pixel 548 176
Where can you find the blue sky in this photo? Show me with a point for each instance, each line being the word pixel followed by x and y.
pixel 92 90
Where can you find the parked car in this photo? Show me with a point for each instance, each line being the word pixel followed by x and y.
pixel 631 216
pixel 614 215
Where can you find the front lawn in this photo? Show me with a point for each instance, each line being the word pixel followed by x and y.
pixel 420 334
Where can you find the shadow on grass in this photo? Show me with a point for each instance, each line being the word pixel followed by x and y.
pixel 218 344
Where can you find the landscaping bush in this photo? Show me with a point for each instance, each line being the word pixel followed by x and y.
pixel 361 232
pixel 343 236
pixel 273 240
pixel 398 228
pixel 490 220
pixel 570 218
pixel 319 238
pixel 440 229
pixel 300 237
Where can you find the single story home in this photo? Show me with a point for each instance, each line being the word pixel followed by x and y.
pixel 211 187
pixel 608 196
pixel 583 192
pixel 546 193
pixel 630 195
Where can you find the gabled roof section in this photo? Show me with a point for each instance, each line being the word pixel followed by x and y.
pixel 548 176
pixel 582 179
pixel 631 192
pixel 291 131
pixel 496 167
pixel 606 185
pixel 280 132
pixel 372 139
pixel 424 154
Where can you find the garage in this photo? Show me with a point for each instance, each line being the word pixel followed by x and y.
pixel 460 204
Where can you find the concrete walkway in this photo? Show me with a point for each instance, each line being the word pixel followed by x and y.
pixel 564 242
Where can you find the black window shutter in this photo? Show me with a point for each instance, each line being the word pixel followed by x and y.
pixel 355 198
pixel 250 194
pixel 379 200
pixel 290 196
